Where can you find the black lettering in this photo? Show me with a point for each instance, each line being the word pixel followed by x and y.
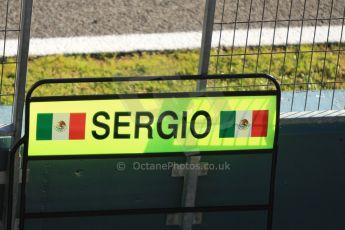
pixel 99 124
pixel 117 124
pixel 173 127
pixel 208 124
pixel 184 124
pixel 147 125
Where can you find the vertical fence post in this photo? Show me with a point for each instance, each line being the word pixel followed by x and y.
pixel 191 176
pixel 23 55
pixel 206 42
pixel 19 99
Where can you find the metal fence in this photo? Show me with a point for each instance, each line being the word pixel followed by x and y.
pixel 300 42
pixel 16 25
pixel 9 28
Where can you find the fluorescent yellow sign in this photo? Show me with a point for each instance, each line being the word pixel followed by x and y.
pixel 151 125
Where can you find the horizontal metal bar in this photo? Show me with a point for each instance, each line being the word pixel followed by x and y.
pixel 151 155
pixel 7 62
pixel 281 52
pixel 6 94
pixel 314 83
pixel 154 95
pixel 146 78
pixel 279 20
pixel 143 211
pixel 6 130
pixel 9 30
pixel 284 84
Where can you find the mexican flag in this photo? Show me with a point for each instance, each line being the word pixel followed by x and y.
pixel 243 123
pixel 60 126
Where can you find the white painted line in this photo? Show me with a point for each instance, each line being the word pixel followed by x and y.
pixel 174 41
pixel 295 36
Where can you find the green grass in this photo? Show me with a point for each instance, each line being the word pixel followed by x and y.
pixel 321 72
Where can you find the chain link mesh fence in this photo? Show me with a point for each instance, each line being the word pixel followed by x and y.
pixel 9 28
pixel 299 42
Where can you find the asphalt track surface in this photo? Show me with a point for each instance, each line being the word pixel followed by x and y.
pixel 70 18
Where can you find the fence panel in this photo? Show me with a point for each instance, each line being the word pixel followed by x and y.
pixel 300 42
pixel 9 35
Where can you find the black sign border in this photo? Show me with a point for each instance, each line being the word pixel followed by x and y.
pixel 149 96
pixel 85 213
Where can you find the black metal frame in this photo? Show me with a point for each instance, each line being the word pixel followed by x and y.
pixel 11 168
pixel 269 207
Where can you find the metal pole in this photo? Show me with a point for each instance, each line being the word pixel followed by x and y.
pixel 206 42
pixel 23 55
pixel 191 177
pixel 19 98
